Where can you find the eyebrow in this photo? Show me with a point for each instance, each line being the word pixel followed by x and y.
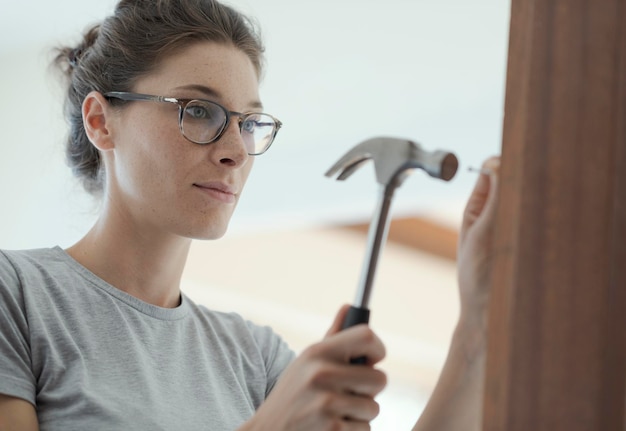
pixel 212 93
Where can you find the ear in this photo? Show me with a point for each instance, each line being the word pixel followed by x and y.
pixel 97 120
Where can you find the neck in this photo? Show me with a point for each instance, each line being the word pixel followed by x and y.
pixel 146 265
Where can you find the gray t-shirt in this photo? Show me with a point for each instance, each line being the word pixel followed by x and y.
pixel 91 357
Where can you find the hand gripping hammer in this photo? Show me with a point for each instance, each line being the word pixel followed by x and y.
pixel 394 159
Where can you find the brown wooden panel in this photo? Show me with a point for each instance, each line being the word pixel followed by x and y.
pixel 557 333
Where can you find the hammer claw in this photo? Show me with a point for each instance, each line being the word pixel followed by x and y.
pixel 348 164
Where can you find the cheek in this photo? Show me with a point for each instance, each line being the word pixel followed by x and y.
pixel 151 161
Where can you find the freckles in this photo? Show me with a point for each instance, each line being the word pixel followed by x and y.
pixel 168 157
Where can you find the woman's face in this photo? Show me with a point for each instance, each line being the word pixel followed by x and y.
pixel 159 181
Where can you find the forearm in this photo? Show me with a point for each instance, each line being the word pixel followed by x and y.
pixel 456 401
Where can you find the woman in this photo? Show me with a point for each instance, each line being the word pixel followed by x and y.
pixel 166 120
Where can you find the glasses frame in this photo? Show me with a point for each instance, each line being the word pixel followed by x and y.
pixel 182 104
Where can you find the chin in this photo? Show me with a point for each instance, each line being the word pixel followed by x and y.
pixel 205 228
pixel 209 237
pixel 214 232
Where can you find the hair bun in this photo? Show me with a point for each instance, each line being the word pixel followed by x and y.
pixel 74 56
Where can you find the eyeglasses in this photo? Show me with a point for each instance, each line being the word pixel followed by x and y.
pixel 203 122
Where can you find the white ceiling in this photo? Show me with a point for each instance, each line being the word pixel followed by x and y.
pixel 339 72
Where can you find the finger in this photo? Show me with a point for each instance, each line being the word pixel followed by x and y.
pixel 483 193
pixel 350 408
pixel 348 379
pixel 356 342
pixel 350 343
pixel 340 424
pixel 338 322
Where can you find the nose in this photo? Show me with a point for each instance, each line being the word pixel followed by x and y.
pixel 230 148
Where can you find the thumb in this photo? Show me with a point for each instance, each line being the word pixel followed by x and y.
pixel 338 322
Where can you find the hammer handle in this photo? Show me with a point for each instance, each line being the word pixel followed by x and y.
pixel 377 235
pixel 354 317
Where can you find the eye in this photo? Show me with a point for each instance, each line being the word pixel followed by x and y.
pixel 197 112
pixel 248 125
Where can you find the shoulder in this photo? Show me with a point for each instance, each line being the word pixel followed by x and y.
pixel 14 263
pixel 21 267
pixel 40 279
pixel 17 261
pixel 18 270
pixel 25 272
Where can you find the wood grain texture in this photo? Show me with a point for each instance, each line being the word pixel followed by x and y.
pixel 557 343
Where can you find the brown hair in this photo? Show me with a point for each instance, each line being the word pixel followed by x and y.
pixel 130 43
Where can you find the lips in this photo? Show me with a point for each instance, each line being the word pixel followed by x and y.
pixel 218 190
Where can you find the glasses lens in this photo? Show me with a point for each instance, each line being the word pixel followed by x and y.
pixel 202 121
pixel 258 131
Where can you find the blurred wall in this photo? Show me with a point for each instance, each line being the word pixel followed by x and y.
pixel 338 72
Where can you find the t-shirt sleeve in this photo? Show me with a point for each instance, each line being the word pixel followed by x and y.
pixel 276 353
pixel 16 376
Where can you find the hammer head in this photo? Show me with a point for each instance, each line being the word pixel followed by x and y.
pixel 394 159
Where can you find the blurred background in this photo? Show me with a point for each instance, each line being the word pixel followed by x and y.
pixel 338 72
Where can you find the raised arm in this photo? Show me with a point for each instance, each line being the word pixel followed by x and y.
pixel 456 402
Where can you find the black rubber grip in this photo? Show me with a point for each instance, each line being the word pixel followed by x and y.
pixel 354 317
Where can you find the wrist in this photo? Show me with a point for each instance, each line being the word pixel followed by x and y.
pixel 470 337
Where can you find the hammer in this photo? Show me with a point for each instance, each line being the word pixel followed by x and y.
pixel 394 159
